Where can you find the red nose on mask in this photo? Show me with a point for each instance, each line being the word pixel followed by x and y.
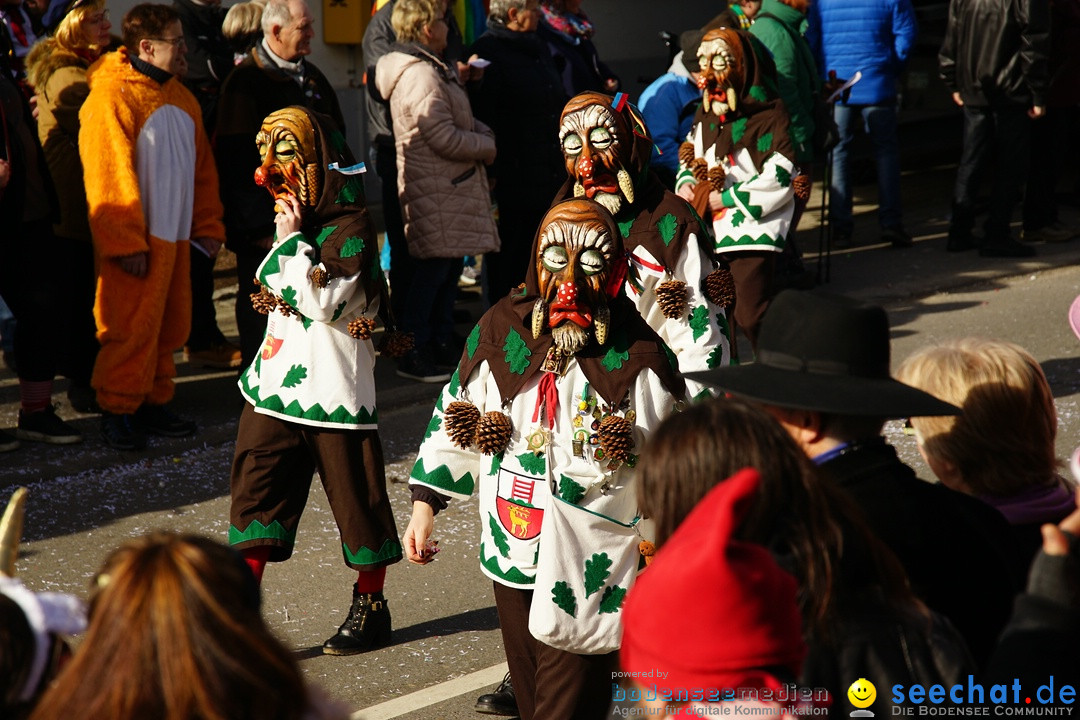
pixel 585 167
pixel 262 177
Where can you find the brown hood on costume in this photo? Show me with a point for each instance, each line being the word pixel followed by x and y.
pixel 507 328
pixel 741 105
pixel 304 154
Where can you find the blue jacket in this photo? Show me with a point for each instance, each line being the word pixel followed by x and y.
pixel 668 107
pixel 872 36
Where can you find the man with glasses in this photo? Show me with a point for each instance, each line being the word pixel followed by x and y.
pixel 151 190
pixel 273 76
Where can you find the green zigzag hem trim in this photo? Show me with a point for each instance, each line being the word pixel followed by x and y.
pixel 442 478
pixel 764 239
pixel 512 575
pixel 390 550
pixel 273 266
pixel 257 531
pixel 315 413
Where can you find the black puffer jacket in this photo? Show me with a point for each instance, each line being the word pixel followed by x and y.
pixel 995 52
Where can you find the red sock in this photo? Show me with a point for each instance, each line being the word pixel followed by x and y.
pixel 371 581
pixel 256 558
pixel 35 395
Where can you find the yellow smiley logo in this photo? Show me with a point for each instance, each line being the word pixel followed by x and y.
pixel 862 693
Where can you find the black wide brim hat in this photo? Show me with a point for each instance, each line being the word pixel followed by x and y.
pixel 825 353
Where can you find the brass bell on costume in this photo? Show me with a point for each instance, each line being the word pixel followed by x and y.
pixel 460 422
pixel 720 287
pixel 361 328
pixel 671 297
pixel 493 432
pixel 616 437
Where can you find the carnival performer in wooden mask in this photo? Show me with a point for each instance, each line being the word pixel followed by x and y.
pixel 738 168
pixel 311 390
pixel 557 389
pixel 675 282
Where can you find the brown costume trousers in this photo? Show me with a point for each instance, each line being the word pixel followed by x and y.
pixel 754 288
pixel 271 478
pixel 550 683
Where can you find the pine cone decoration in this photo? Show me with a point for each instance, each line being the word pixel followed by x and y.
pixel 396 344
pixel 671 296
pixel 801 186
pixel 720 287
pixel 700 169
pixel 361 328
pixel 263 301
pixel 460 422
pixel 319 277
pixel 716 178
pixel 686 153
pixel 493 432
pixel 285 308
pixel 616 437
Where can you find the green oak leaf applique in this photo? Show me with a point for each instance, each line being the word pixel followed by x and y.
pixel 597 570
pixel 722 323
pixel 738 218
pixel 294 377
pixel 473 341
pixel 496 463
pixel 337 140
pixel 699 321
pixel 563 596
pixel 289 296
pixel 783 176
pixel 758 93
pixel 350 192
pixel 353 246
pixel 715 357
pixel 667 226
pixel 338 310
pixel 624 227
pixel 306 321
pixel 532 463
pixel 764 142
pixel 738 129
pixel 612 599
pixel 569 490
pixel 497 534
pixel 517 352
pixel 613 359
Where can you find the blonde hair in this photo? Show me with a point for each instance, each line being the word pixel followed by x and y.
pixel 410 17
pixel 1004 441
pixel 69 33
pixel 243 23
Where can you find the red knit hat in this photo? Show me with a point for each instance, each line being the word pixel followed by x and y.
pixel 710 610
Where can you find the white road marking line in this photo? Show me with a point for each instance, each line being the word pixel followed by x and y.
pixel 433 695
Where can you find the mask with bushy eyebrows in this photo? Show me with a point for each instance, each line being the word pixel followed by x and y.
pixel 723 68
pixel 598 148
pixel 288 147
pixel 576 264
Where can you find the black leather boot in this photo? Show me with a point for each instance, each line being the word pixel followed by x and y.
pixel 501 702
pixel 367 627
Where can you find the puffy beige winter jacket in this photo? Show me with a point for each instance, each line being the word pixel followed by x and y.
pixel 441 151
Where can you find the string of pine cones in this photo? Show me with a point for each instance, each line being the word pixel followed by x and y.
pixel 720 287
pixel 319 277
pixel 396 344
pixel 465 427
pixel 671 297
pixel 361 327
pixel 616 437
pixel 686 153
pixel 716 177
